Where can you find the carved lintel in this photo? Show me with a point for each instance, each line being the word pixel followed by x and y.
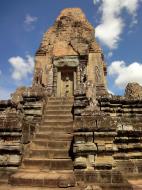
pixel 70 61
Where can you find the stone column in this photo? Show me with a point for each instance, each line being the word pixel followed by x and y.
pixel 58 83
pixel 90 68
pixel 54 81
pixel 78 77
pixel 75 81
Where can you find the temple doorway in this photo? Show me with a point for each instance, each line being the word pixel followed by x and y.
pixel 66 82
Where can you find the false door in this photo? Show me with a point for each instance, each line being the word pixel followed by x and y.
pixel 67 83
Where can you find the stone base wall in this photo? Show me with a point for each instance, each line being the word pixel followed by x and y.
pixel 107 138
pixel 33 109
pixel 10 138
pixel 119 106
pixel 18 121
pixel 128 115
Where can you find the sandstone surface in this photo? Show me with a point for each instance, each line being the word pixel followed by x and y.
pixel 66 131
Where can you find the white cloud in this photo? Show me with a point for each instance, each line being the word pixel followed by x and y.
pixel 112 24
pixel 21 67
pixel 124 73
pixel 30 19
pixel 96 1
pixel 110 54
pixel 29 22
pixel 4 93
pixel 110 92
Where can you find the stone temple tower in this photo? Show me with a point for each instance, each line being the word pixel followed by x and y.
pixel 66 131
pixel 69 59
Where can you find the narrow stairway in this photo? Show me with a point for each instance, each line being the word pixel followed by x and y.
pixel 48 163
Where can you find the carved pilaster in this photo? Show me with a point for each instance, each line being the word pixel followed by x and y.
pixel 54 81
pixel 38 76
pixel 78 77
pixel 50 80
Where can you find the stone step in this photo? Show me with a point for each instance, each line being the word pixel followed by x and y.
pixel 57 123
pixel 28 187
pixel 44 143
pixel 44 179
pixel 62 103
pixel 64 129
pixel 137 187
pixel 61 98
pixel 136 183
pixel 58 107
pixel 55 136
pixel 47 164
pixel 59 112
pixel 57 117
pixel 49 153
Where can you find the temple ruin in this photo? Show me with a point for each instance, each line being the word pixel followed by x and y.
pixel 66 131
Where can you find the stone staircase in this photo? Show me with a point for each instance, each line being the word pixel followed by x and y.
pixel 48 162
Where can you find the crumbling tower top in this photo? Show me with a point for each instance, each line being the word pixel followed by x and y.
pixel 71 31
pixel 70 42
pixel 74 13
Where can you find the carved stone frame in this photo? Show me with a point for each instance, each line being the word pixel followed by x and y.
pixel 60 63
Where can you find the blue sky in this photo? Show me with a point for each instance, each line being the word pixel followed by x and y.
pixel 118 26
